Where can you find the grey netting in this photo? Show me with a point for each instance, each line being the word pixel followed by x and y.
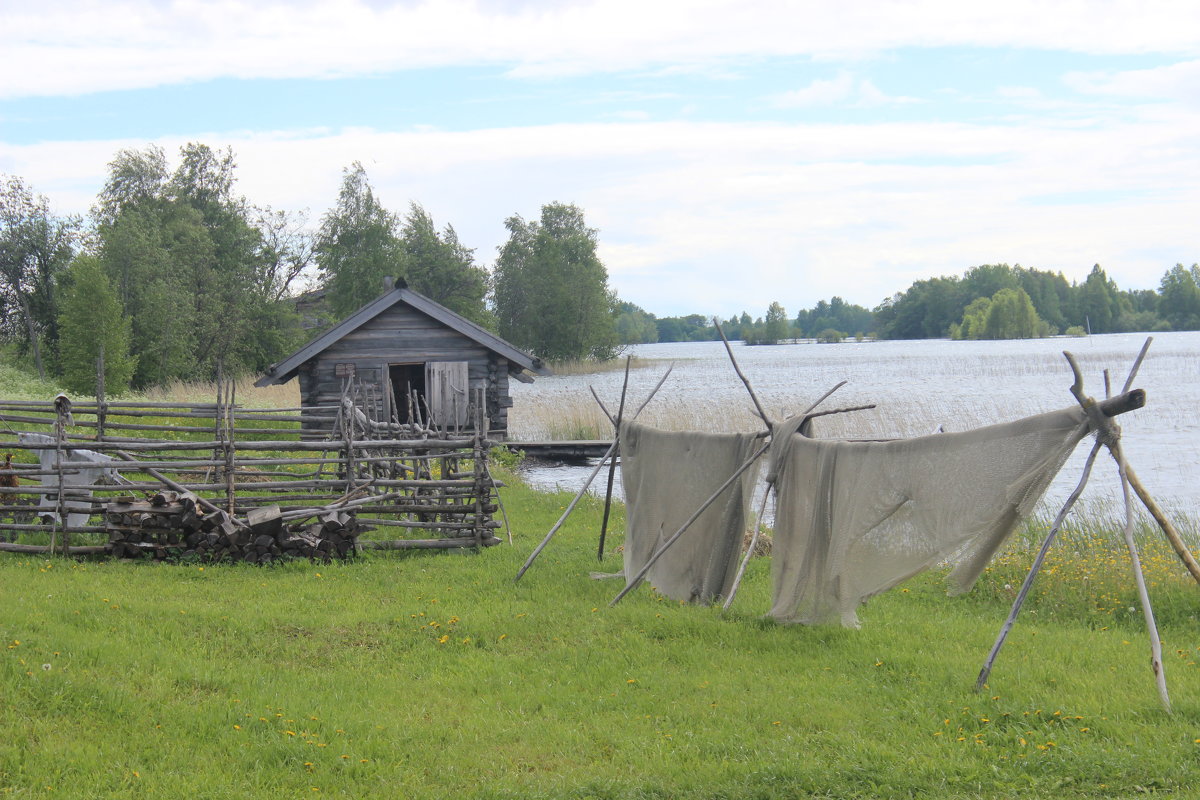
pixel 81 468
pixel 667 476
pixel 855 518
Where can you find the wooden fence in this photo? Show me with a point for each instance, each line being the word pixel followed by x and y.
pixel 77 468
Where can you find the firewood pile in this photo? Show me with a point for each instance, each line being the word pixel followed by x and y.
pixel 175 525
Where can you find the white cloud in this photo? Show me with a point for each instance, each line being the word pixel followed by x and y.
pixel 1180 81
pixel 717 218
pixel 69 47
pixel 845 89
pixel 820 92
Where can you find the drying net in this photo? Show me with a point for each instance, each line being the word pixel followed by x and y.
pixel 855 518
pixel 80 468
pixel 667 476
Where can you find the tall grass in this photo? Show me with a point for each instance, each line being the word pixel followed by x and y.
pixel 433 675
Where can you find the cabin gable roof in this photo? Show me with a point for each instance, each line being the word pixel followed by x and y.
pixel 285 370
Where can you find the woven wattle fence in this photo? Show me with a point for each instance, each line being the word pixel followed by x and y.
pixel 221 482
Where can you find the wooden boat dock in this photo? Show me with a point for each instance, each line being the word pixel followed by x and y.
pixel 575 451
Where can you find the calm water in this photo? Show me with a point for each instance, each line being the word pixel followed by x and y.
pixel 916 386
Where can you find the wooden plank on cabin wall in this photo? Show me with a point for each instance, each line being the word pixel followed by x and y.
pixel 446 385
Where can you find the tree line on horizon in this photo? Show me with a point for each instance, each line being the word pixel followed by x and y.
pixel 174 276
pixel 992 301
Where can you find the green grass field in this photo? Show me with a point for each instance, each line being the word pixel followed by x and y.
pixel 433 675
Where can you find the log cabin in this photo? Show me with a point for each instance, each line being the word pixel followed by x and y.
pixel 411 358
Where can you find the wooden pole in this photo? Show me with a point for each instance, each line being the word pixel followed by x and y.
pixel 761 411
pixel 737 581
pixel 1180 547
pixel 562 519
pixel 1156 660
pixel 1109 434
pixel 60 512
pixel 480 470
pixel 230 451
pixel 695 516
pixel 611 449
pixel 1033 570
pixel 101 408
pixel 612 462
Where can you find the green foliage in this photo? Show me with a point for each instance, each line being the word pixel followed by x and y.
pixel 92 323
pixel 1011 316
pixel 1075 330
pixel 830 336
pixel 35 249
pixel 1008 314
pixel 202 278
pixel 635 325
pixel 935 307
pixel 358 245
pixel 690 328
pixel 776 328
pixel 441 268
pixel 550 289
pixel 836 314
pixel 1179 294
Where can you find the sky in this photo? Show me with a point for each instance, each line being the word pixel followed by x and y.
pixel 730 153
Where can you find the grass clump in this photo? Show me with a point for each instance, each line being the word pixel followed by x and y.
pixel 433 675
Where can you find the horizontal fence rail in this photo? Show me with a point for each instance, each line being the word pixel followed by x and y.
pixel 164 479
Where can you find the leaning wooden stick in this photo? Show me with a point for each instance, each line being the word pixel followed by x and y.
pixel 761 411
pixel 737 580
pixel 1033 570
pixel 583 490
pixel 600 403
pixel 1109 434
pixel 612 462
pixel 808 413
pixel 654 391
pixel 695 516
pixel 1181 549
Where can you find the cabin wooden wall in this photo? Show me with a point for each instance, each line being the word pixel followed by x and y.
pixel 402 334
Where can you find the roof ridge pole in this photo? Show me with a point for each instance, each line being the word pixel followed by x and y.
pixel 612 461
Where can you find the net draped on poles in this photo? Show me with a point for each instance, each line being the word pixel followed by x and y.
pixel 854 519
pixel 666 475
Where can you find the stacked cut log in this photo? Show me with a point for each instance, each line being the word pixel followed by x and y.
pixel 174 525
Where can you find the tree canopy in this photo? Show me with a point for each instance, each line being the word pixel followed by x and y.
pixel 550 289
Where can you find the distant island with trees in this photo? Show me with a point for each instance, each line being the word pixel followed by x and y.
pixel 993 301
pixel 174 275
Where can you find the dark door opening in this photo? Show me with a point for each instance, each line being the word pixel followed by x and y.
pixel 408 392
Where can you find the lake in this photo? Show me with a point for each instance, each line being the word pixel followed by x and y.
pixel 916 386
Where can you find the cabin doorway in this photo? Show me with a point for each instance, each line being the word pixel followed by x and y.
pixel 408 392
pixel 431 393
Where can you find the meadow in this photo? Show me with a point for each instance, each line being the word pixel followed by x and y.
pixel 432 675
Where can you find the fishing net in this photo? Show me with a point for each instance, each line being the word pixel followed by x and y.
pixel 667 476
pixel 855 518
